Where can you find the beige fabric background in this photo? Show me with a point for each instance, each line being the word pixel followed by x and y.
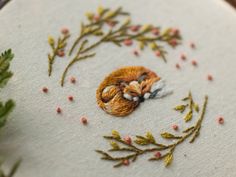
pixel 59 146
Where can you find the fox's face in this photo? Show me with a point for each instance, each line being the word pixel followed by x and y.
pixel 137 90
pixel 132 90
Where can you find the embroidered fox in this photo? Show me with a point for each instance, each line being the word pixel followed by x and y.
pixel 124 89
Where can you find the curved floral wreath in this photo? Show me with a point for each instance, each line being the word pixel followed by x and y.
pixel 115 26
pixel 110 26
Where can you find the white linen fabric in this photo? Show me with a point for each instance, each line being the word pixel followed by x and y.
pixel 54 145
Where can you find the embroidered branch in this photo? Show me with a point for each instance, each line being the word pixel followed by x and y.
pixel 115 26
pixel 161 151
pixel 12 171
pixel 191 106
pixel 57 49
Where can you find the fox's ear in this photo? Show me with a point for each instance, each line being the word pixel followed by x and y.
pixel 142 77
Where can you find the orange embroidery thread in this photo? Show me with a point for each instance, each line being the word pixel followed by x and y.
pixel 124 89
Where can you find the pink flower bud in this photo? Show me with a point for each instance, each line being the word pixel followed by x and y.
pixel 126 162
pixel 84 120
pixel 128 140
pixel 64 31
pixel 135 28
pixel 157 154
pixel 128 42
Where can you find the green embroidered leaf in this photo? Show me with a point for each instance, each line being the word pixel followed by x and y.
pixel 5 109
pixel 153 46
pixel 114 145
pixel 89 16
pixel 141 140
pixel 180 108
pixel 167 135
pixel 168 159
pixel 115 134
pixel 141 45
pixel 5 74
pixel 188 129
pixel 188 116
pixel 196 107
pixel 150 137
pixel 12 171
pixel 185 99
pixel 14 168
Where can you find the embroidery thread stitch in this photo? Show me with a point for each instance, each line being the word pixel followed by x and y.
pixel 134 150
pixel 124 89
pixel 191 106
pixel 57 48
pixel 118 33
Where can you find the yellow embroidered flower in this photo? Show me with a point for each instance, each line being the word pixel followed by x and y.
pixel 153 46
pixel 89 15
pixel 100 10
pixel 51 40
pixel 146 27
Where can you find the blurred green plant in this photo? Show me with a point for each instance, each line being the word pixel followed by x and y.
pixel 6 107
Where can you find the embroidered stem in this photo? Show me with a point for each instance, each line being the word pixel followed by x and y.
pixel 71 63
pixel 120 32
pixel 57 50
pixel 191 106
pixel 133 148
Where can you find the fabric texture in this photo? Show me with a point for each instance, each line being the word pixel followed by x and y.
pixel 53 145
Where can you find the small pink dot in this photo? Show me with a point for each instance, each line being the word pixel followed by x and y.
pixel 73 80
pixel 209 77
pixel 61 53
pixel 158 53
pixel 173 42
pixel 192 45
pixel 111 23
pixel 45 89
pixel 155 31
pixel 136 53
pixel 126 162
pixel 174 31
pixel 128 140
pixel 221 120
pixel 175 127
pixel 59 110
pixel 64 31
pixel 194 62
pixel 177 66
pixel 70 98
pixel 128 42
pixel 183 56
pixel 96 18
pixel 84 120
pixel 135 28
pixel 157 154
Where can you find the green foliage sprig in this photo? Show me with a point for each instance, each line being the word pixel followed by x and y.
pixel 191 106
pixel 135 148
pixel 58 48
pixel 5 108
pixel 12 171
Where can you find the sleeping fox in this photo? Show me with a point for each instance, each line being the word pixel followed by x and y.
pixel 124 89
